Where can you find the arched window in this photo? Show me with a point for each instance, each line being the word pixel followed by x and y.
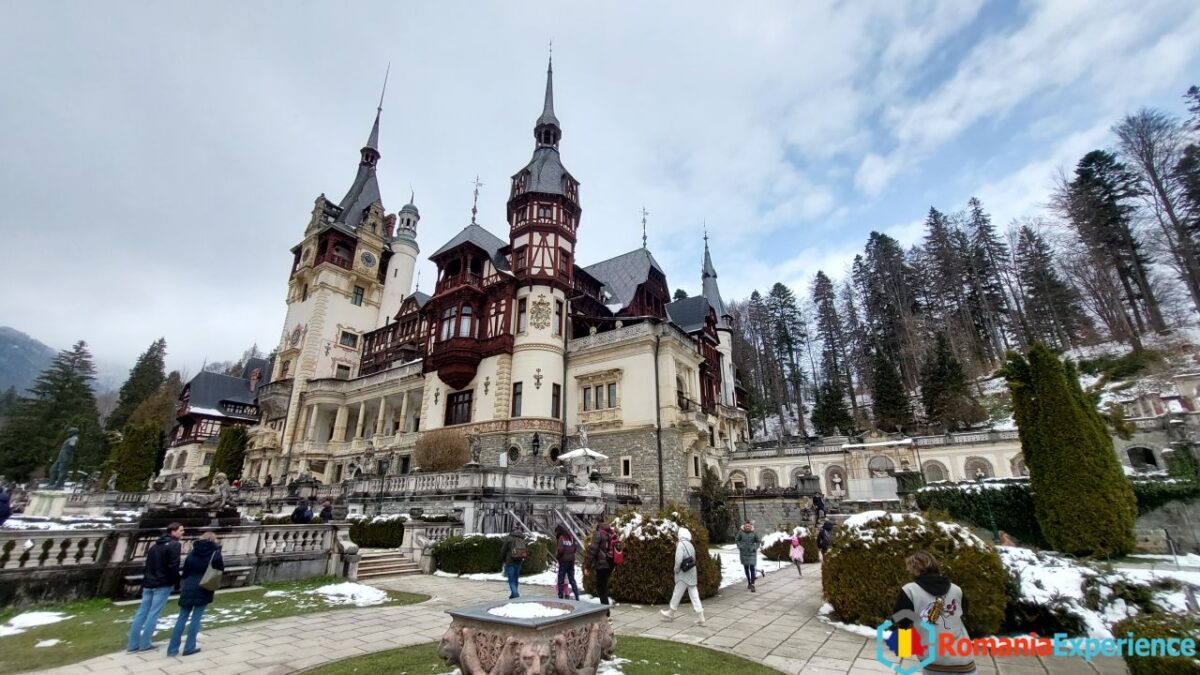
pixel 768 479
pixel 1142 459
pixel 935 471
pixel 448 323
pixel 464 322
pixel 977 465
pixel 880 466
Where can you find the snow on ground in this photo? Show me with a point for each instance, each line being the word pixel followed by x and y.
pixel 349 593
pixel 824 615
pixel 1188 559
pixel 528 610
pixel 26 620
pixel 612 666
pixel 47 643
pixel 732 572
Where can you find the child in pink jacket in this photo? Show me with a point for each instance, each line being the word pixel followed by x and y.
pixel 797 553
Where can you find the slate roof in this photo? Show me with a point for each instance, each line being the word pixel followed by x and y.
pixel 547 116
pixel 546 172
pixel 623 274
pixel 475 234
pixel 362 193
pixel 420 297
pixel 689 313
pixel 708 280
pixel 209 390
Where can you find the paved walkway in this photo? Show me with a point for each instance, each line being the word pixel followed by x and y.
pixel 777 626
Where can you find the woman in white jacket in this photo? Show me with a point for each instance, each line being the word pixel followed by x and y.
pixel 685 579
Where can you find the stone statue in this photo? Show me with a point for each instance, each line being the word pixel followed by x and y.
pixel 150 482
pixel 111 485
pixel 58 471
pixel 583 439
pixel 476 447
pixel 219 491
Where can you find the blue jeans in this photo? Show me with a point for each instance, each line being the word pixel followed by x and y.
pixel 142 630
pixel 567 571
pixel 196 611
pixel 512 571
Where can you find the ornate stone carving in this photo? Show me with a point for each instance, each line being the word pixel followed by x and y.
pixel 539 312
pixel 576 650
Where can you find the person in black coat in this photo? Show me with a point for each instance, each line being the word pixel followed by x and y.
pixel 5 509
pixel 326 513
pixel 302 514
pixel 193 597
pixel 159 576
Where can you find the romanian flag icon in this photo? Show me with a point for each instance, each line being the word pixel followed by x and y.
pixel 906 642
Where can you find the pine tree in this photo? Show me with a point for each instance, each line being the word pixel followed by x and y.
pixel 786 323
pixel 231 451
pixel 891 404
pixel 831 331
pixel 61 397
pixel 1052 311
pixel 883 277
pixel 989 270
pixel 1082 501
pixel 680 294
pixel 158 411
pixel 945 389
pixel 144 379
pixel 830 414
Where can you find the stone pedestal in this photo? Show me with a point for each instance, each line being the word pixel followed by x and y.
pixel 47 503
pixel 482 643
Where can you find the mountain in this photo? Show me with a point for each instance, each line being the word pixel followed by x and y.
pixel 22 359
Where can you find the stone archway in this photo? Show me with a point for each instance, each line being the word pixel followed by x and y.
pixel 768 479
pixel 1142 458
pixel 975 465
pixel 835 481
pixel 935 471
pixel 880 466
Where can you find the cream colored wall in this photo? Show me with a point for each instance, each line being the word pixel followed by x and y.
pixel 537 351
pixel 398 284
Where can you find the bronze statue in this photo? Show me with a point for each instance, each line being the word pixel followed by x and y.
pixel 58 471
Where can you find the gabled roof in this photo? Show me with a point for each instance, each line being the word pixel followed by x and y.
pixel 208 390
pixel 623 274
pixel 689 314
pixel 473 234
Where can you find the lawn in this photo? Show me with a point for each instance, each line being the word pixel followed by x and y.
pixel 97 627
pixel 635 656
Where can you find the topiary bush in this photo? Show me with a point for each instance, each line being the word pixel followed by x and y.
pixel 479 554
pixel 378 532
pixel 647 575
pixel 1159 625
pixel 441 450
pixel 864 569
pixel 778 546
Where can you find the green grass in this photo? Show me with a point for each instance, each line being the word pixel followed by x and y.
pixel 97 627
pixel 643 656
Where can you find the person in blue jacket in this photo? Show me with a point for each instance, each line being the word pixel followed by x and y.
pixel 193 598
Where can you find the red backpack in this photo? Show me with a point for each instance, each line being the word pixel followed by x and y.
pixel 616 550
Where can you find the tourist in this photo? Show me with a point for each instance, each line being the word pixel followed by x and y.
pixel 565 555
pixel 748 544
pixel 5 507
pixel 326 512
pixel 193 597
pixel 268 481
pixel 818 504
pixel 825 537
pixel 513 553
pixel 933 598
pixel 158 578
pixel 599 559
pixel 685 577
pixel 797 553
pixel 302 514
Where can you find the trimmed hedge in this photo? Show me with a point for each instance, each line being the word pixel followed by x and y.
pixel 378 532
pixel 781 551
pixel 864 569
pixel 481 555
pixel 1009 501
pixel 1159 625
pixel 647 575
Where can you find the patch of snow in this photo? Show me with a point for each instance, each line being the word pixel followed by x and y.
pixel 528 610
pixel 903 441
pixel 824 615
pixel 275 594
pixel 47 643
pixel 26 620
pixel 349 593
pixel 612 666
pixel 1189 559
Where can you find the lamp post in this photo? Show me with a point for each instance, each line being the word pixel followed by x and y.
pixel 979 476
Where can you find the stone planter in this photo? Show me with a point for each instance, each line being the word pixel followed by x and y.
pixel 508 637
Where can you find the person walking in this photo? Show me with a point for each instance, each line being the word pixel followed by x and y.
pixel 818 503
pixel 5 505
pixel 565 555
pixel 748 543
pixel 268 481
pixel 797 553
pixel 302 514
pixel 600 560
pixel 513 553
pixel 326 512
pixel 159 576
pixel 685 578
pixel 193 597
pixel 933 598
pixel 825 537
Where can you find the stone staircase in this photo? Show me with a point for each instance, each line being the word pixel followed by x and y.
pixel 377 563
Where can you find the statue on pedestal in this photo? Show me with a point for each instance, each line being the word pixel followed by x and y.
pixel 583 437
pixel 476 447
pixel 111 485
pixel 58 471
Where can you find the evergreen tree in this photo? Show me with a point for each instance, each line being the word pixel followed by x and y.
pixel 1052 310
pixel 832 333
pixel 158 411
pixel 714 509
pixel 830 414
pixel 145 378
pixel 945 389
pixel 891 405
pixel 231 451
pixel 680 294
pixel 989 270
pixel 60 398
pixel 1082 501
pixel 134 456
pixel 884 279
pixel 786 323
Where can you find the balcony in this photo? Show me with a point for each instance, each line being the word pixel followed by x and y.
pixel 469 279
pixel 332 258
pixel 690 412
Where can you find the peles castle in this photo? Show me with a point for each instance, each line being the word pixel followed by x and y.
pixel 518 346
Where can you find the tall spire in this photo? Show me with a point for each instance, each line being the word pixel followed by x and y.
pixel 547 130
pixel 708 284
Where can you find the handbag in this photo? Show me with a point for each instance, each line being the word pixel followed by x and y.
pixel 687 563
pixel 211 581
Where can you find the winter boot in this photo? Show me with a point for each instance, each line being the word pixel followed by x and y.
pixel 670 614
pixel 700 618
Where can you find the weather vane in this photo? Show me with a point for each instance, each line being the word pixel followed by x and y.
pixel 475 202
pixel 644 214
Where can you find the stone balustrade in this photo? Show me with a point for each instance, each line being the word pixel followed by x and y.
pixel 797 447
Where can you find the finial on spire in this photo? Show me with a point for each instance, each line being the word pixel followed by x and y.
pixel 705 225
pixel 412 194
pixel 475 201
pixel 547 117
pixel 644 214
pixel 373 139
pixel 384 91
pixel 418 288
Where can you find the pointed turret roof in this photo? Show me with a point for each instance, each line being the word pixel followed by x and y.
pixel 364 191
pixel 708 283
pixel 546 174
pixel 373 139
pixel 548 106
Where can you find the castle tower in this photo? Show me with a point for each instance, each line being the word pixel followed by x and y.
pixel 710 291
pixel 398 267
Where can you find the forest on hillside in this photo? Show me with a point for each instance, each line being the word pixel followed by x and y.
pixel 899 343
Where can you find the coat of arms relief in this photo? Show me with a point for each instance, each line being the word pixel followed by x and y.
pixel 539 312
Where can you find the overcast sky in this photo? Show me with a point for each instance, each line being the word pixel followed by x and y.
pixel 159 159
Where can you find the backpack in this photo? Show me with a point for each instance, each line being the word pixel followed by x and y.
pixel 616 550
pixel 823 539
pixel 520 551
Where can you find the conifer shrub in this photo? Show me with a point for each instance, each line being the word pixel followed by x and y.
pixel 378 532
pixel 1009 501
pixel 778 545
pixel 647 575
pixel 1159 625
pixel 864 568
pixel 441 450
pixel 480 554
pixel 231 451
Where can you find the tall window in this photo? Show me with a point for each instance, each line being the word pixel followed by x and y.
pixel 304 293
pixel 519 260
pixel 516 399
pixel 356 298
pixel 283 372
pixel 600 397
pixel 458 408
pixel 612 394
pixel 464 322
pixel 555 400
pixel 543 212
pixel 448 323
pixel 626 467
pixel 587 398
pixel 695 465
pixel 521 315
pixel 558 317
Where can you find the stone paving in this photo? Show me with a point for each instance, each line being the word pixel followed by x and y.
pixel 777 626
